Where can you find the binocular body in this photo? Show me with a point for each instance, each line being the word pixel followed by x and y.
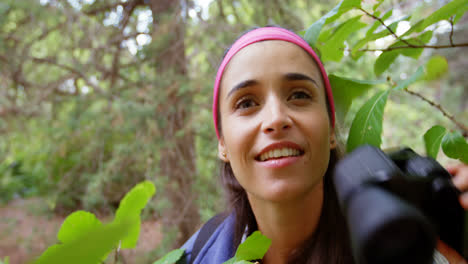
pixel 396 205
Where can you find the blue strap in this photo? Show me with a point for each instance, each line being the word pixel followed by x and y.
pixel 205 233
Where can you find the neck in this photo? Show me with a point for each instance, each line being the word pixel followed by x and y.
pixel 287 224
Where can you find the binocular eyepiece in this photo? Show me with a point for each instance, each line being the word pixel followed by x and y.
pixel 396 206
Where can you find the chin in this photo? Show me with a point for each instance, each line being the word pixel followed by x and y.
pixel 291 192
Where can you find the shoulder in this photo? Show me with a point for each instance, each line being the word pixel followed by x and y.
pixel 218 247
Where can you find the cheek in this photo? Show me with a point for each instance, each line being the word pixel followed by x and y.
pixel 236 136
pixel 319 130
pixel 317 121
pixel 239 139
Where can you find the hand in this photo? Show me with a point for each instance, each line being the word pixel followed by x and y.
pixel 450 254
pixel 460 180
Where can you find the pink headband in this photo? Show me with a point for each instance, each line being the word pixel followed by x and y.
pixel 268 33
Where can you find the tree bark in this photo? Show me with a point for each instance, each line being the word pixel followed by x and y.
pixel 178 159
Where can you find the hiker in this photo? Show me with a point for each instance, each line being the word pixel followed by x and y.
pixel 274 116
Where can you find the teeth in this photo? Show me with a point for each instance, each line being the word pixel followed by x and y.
pixel 284 152
pixel 276 153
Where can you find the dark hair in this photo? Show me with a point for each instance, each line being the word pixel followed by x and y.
pixel 328 244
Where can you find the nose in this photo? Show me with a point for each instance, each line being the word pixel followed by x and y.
pixel 276 119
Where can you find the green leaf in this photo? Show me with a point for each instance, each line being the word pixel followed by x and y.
pixel 377 23
pixel 436 67
pixel 230 261
pixel 432 139
pixel 90 248
pixel 384 60
pixel 6 260
pixel 349 4
pixel 455 146
pixel 381 34
pixel 356 53
pixel 171 257
pixel 333 48
pixel 130 208
pixel 379 2
pixel 345 90
pixel 459 15
pixel 367 124
pixel 419 40
pixel 325 35
pixel 454 7
pixel 388 57
pixel 77 224
pixel 416 76
pixel 313 32
pixel 85 240
pixel 254 247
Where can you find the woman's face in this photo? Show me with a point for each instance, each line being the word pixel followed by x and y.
pixel 275 126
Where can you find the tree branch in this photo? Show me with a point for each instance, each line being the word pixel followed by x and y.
pixel 221 10
pixel 235 13
pixel 3 58
pixel 451 30
pixel 49 88
pixel 106 8
pixel 18 26
pixel 43 35
pixel 69 69
pixel 409 45
pixel 458 45
pixel 442 110
pixel 387 27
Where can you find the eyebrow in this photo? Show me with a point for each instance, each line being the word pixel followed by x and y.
pixel 243 84
pixel 293 76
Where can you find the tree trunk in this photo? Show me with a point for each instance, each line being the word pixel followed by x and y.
pixel 178 158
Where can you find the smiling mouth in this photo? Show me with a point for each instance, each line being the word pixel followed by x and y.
pixel 279 153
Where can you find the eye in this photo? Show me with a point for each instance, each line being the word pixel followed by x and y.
pixel 245 103
pixel 299 95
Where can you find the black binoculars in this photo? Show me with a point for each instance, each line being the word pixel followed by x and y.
pixel 396 206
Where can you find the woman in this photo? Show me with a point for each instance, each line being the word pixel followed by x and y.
pixel 274 116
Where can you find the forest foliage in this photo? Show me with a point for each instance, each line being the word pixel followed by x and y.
pixel 97 96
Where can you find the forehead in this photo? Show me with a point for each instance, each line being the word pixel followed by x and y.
pixel 269 58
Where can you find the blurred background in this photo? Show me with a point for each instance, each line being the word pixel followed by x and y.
pixel 98 95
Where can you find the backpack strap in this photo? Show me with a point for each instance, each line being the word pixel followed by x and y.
pixel 205 233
